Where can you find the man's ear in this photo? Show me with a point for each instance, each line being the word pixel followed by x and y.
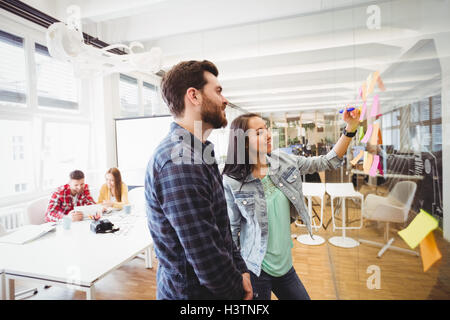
pixel 193 96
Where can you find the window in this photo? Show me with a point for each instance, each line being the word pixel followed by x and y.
pixel 12 71
pixel 150 98
pixel 17 169
pixel 129 96
pixel 56 85
pixel 66 148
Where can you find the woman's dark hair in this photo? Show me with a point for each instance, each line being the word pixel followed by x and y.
pixel 238 164
pixel 184 75
pixel 117 183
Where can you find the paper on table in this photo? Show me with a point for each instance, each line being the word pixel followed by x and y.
pixel 368 158
pixel 429 251
pixel 373 169
pixel 27 233
pixel 374 137
pixel 375 106
pixel 418 229
pixel 356 159
pixel 368 134
pixel 363 112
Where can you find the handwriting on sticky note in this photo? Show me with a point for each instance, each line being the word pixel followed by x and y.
pixel 418 229
pixel 356 159
pixel 368 134
pixel 374 167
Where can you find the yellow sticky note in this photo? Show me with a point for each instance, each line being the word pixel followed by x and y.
pixel 359 156
pixel 368 159
pixel 429 251
pixel 418 229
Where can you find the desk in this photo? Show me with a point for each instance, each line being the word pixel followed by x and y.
pixel 76 258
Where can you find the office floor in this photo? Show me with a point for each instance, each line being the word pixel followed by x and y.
pixel 328 272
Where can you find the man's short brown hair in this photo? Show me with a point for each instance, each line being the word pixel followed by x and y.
pixel 184 75
pixel 77 175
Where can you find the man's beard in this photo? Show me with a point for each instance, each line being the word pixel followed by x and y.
pixel 212 113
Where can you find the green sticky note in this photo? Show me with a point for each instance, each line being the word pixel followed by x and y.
pixel 361 132
pixel 418 229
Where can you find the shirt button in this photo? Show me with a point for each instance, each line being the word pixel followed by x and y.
pixel 293 198
pixel 280 184
pixel 295 177
pixel 244 202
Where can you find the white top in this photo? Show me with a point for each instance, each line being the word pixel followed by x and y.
pixel 77 256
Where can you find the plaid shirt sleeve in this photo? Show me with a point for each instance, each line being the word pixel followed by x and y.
pixel 55 210
pixel 184 194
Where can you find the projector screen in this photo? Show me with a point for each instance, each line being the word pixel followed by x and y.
pixel 136 140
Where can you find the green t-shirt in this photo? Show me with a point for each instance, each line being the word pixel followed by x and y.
pixel 278 259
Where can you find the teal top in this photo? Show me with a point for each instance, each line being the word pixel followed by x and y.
pixel 278 259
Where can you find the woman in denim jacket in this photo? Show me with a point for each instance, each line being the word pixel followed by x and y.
pixel 264 195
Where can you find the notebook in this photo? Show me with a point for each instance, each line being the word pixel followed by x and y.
pixel 27 233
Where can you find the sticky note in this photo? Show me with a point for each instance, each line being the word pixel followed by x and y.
pixel 361 132
pixel 418 229
pixel 380 138
pixel 356 159
pixel 374 167
pixel 368 134
pixel 380 84
pixel 368 159
pixel 375 106
pixel 371 80
pixel 363 112
pixel 429 251
pixel 374 137
pixel 364 92
pixel 380 168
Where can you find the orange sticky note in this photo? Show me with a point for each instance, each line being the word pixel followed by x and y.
pixel 380 84
pixel 429 251
pixel 374 137
pixel 364 91
pixel 359 156
pixel 371 80
pixel 380 138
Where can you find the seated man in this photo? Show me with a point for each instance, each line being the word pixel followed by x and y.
pixel 68 196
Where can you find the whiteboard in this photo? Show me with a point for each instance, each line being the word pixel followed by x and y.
pixel 136 140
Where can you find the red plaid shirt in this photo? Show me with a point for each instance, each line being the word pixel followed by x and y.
pixel 61 202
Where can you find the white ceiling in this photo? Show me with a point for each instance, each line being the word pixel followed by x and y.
pixel 284 57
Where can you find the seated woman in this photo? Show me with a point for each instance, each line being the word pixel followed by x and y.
pixel 114 193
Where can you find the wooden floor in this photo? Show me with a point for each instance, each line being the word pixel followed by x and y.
pixel 327 272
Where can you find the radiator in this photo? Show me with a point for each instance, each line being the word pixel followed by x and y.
pixel 12 218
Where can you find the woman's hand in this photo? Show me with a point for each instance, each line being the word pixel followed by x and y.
pixel 108 203
pixel 352 119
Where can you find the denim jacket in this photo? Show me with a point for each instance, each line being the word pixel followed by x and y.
pixel 247 205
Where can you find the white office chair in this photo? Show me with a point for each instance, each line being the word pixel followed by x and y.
pixel 136 197
pixel 36 210
pixel 393 208
pixel 312 190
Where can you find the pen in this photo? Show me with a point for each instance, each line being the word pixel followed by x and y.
pixel 349 109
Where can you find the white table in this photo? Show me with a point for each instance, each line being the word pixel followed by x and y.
pixel 312 190
pixel 343 190
pixel 76 258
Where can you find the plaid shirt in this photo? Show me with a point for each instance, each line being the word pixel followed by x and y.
pixel 188 221
pixel 61 202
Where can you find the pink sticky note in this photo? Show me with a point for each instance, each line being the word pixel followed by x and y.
pixel 375 106
pixel 373 169
pixel 368 134
pixel 380 168
pixel 363 112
